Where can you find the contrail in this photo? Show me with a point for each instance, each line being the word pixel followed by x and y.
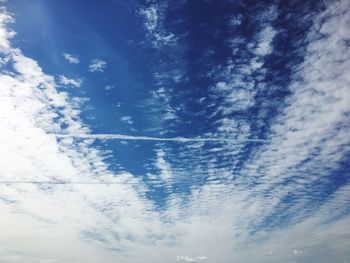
pixel 63 182
pixel 109 136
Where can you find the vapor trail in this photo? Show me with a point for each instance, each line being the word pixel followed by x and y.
pixel 105 136
pixel 63 182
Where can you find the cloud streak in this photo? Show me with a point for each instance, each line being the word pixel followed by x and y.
pixel 116 136
pixel 71 58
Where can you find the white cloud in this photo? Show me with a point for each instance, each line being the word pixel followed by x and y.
pixel 190 259
pixel 313 124
pixel 235 88
pixel 218 219
pixel 238 81
pixel 264 45
pixel 154 16
pixel 163 166
pixel 30 109
pixel 236 98
pixel 109 87
pixel 127 119
pixel 70 82
pixel 235 21
pixel 97 65
pixel 162 112
pixel 296 251
pixel 71 58
pixel 307 141
pixel 151 18
pixel 5 34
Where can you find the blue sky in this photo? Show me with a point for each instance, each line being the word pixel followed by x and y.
pixel 174 131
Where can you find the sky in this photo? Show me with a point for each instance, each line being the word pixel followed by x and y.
pixel 195 131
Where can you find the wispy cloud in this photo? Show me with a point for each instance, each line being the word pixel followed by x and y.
pixel 154 17
pixel 70 82
pixel 191 259
pixel 71 58
pixel 127 120
pixel 264 45
pixel 97 65
pixel 163 166
pixel 109 87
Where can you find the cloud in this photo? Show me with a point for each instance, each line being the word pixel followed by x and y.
pixel 163 113
pixel 127 119
pixel 235 21
pixel 238 81
pixel 154 16
pixel 71 58
pixel 237 98
pixel 163 166
pixel 70 82
pixel 151 17
pixel 31 108
pixel 97 65
pixel 264 45
pixel 190 259
pixel 232 214
pixel 312 126
pixel 116 136
pixel 109 87
pixel 5 34
pixel 308 141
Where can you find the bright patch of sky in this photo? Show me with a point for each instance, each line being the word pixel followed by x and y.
pixel 174 131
